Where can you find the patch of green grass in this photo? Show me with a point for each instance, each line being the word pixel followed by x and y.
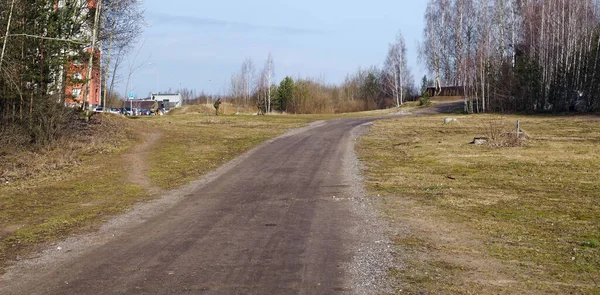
pixel 533 204
pixel 591 244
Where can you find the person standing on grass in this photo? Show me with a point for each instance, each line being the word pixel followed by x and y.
pixel 216 105
pixel 155 108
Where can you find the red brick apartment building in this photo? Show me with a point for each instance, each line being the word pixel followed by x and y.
pixel 77 70
pixel 75 86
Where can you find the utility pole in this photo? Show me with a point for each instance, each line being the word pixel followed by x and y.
pixel 92 52
pixel 112 35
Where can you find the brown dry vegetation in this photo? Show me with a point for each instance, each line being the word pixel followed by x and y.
pixel 21 160
pixel 208 109
pixel 486 219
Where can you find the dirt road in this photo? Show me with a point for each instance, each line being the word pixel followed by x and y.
pixel 283 220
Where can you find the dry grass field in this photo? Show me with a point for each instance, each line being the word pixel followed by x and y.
pixel 502 218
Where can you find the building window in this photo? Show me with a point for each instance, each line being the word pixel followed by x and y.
pixel 78 76
pixel 76 92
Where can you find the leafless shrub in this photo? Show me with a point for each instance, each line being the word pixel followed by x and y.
pixel 500 133
pixel 50 122
pixel 12 136
pixel 495 127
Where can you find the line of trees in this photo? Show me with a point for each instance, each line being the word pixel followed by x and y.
pixel 40 39
pixel 516 55
pixel 366 89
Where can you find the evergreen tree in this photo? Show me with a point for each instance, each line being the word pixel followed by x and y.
pixel 370 91
pixel 284 93
pixel 424 84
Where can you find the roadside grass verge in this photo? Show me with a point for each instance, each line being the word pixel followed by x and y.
pixel 472 219
pixel 64 188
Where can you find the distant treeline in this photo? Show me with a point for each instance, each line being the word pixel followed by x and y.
pixel 366 89
pixel 361 91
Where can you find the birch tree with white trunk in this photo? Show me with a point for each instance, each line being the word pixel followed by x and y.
pixel 396 70
pixel 269 74
pixel 247 76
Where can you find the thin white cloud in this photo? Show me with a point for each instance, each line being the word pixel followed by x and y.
pixel 191 21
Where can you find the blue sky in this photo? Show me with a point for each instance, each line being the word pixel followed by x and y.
pixel 200 44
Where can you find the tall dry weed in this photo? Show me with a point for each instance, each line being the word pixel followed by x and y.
pixel 501 133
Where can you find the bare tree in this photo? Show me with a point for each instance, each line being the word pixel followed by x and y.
pixel 122 22
pixel 261 91
pixel 396 70
pixel 247 76
pixel 431 51
pixel 133 67
pixel 92 53
pixel 12 6
pixel 269 72
pixel 237 88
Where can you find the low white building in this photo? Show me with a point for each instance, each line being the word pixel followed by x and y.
pixel 170 101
